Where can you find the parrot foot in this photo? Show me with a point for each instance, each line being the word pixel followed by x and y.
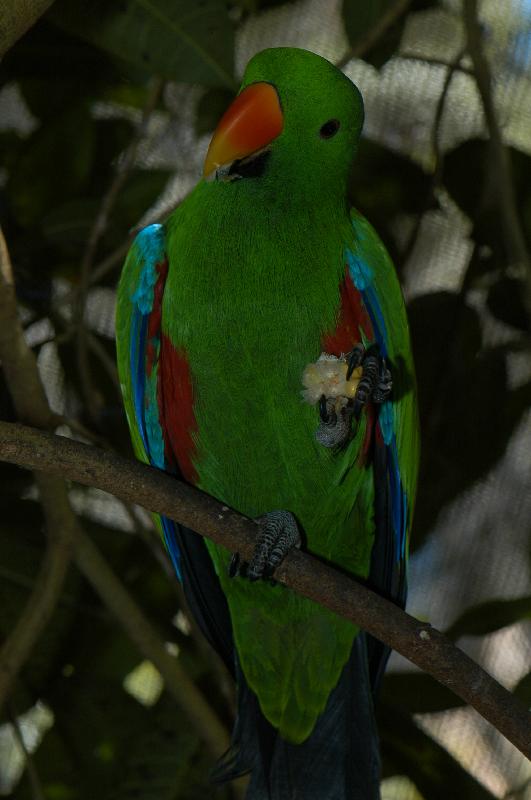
pixel 375 383
pixel 279 534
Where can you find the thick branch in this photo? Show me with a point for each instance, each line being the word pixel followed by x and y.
pixel 31 405
pixel 500 162
pixel 16 17
pixel 417 641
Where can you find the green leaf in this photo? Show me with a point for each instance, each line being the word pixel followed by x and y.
pixel 50 65
pixel 210 109
pixel 418 692
pixel 384 186
pixel 158 760
pixel 361 18
pixel 173 38
pixel 55 162
pixel 490 616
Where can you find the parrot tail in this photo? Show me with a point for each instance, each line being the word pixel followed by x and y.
pixel 339 761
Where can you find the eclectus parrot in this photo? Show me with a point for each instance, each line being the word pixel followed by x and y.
pixel 264 357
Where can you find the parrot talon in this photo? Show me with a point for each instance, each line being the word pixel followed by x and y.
pixel 334 428
pixel 279 534
pixel 375 383
pixel 327 411
pixel 238 567
pixel 235 565
pixel 355 358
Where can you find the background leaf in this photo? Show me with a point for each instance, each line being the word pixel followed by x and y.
pixel 170 37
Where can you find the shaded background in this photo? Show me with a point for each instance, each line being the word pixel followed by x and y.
pixel 106 109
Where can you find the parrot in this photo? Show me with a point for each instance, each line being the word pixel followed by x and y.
pixel 264 357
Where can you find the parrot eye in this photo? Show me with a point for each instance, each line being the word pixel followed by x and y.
pixel 329 129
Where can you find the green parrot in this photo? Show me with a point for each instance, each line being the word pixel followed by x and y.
pixel 264 357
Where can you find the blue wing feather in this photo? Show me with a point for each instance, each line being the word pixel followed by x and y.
pixel 144 351
pixel 362 276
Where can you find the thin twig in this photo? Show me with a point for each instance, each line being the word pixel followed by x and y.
pixel 500 162
pixel 371 38
pixel 141 632
pixel 113 260
pixel 436 62
pixel 452 67
pixel 123 168
pixel 106 361
pixel 34 780
pixel 439 111
pixel 417 641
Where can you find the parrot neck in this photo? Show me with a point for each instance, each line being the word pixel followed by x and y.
pixel 277 205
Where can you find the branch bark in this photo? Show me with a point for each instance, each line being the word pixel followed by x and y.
pixel 16 18
pixel 419 642
pixel 31 405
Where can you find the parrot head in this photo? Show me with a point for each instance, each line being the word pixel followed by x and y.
pixel 296 119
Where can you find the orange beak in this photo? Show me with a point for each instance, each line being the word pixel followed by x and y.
pixel 251 122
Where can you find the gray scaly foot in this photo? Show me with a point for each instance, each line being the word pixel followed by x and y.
pixel 375 384
pixel 278 535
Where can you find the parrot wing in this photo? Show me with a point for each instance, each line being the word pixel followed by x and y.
pixel 395 444
pixel 155 384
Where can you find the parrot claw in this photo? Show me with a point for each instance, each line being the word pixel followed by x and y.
pixel 376 381
pixel 375 384
pixel 279 534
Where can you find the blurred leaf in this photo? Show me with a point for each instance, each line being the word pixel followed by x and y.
pixel 168 37
pixel 211 108
pixel 141 190
pixel 50 66
pixel 506 301
pixel 407 750
pixel 478 195
pixel 55 161
pixel 158 761
pixel 523 689
pixel 67 227
pixel 360 19
pixel 490 616
pixel 418 692
pixel 467 411
pixel 384 186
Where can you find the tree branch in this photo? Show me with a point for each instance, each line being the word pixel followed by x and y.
pixel 419 642
pixel 27 392
pixel 142 633
pixel 16 18
pixel 500 162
